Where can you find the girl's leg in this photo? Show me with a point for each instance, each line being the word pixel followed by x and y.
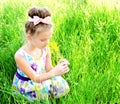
pixel 59 87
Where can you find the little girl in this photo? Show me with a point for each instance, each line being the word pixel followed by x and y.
pixel 35 77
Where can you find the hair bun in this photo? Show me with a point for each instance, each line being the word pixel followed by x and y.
pixel 40 12
pixel 33 12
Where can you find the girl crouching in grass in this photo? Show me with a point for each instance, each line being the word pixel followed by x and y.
pixel 35 77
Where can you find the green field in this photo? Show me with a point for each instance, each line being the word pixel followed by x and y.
pixel 86 32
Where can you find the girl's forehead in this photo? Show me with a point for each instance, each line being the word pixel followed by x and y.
pixel 44 35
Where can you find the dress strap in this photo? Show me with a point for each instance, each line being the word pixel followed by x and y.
pixel 21 52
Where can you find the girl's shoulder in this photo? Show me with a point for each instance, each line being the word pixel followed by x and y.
pixel 19 52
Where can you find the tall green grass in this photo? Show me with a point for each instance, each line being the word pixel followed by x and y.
pixel 88 35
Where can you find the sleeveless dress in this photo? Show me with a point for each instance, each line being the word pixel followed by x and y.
pixel 51 88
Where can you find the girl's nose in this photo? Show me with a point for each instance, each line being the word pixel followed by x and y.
pixel 47 41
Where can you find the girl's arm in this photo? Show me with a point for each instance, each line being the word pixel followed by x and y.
pixel 60 69
pixel 49 65
pixel 25 67
pixel 49 62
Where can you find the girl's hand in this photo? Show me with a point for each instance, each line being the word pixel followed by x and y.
pixel 64 60
pixel 61 68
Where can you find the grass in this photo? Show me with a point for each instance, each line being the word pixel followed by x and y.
pixel 87 33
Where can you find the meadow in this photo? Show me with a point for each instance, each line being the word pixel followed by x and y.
pixel 86 32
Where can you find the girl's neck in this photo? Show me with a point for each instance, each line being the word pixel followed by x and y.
pixel 30 47
pixel 33 51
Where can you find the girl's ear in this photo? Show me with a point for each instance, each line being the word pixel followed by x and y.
pixel 28 37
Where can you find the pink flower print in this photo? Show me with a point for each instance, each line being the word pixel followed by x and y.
pixel 34 66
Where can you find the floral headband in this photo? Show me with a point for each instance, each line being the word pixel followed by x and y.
pixel 36 20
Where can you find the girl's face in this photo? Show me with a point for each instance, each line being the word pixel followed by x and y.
pixel 41 40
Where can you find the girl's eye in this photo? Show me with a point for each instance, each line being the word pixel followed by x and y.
pixel 42 40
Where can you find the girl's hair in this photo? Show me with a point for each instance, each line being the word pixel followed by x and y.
pixel 40 27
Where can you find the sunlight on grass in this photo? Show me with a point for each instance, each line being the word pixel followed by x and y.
pixel 110 4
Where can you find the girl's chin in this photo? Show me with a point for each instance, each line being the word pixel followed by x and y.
pixel 42 47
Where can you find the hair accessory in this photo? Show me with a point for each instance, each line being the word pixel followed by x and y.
pixel 36 20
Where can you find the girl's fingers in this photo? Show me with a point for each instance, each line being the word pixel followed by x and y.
pixel 66 70
pixel 64 60
pixel 67 62
pixel 65 66
pixel 63 63
pixel 60 61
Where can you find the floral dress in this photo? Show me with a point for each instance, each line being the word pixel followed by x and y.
pixel 54 87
